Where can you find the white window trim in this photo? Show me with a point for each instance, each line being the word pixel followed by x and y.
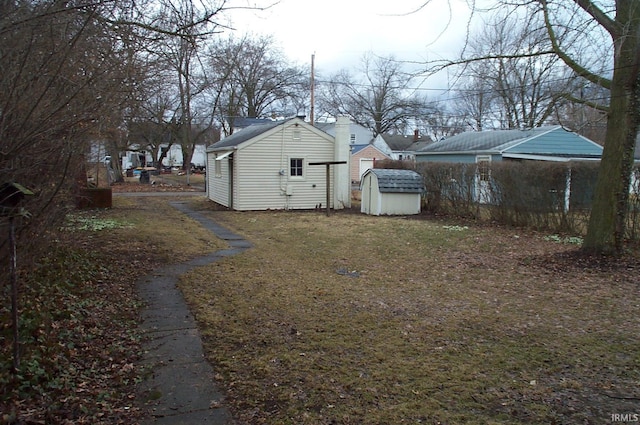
pixel 218 163
pixel 304 168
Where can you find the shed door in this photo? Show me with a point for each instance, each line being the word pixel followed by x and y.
pixel 365 164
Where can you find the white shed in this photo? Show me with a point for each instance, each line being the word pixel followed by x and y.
pixel 391 192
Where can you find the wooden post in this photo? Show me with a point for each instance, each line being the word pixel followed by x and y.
pixel 328 177
pixel 328 190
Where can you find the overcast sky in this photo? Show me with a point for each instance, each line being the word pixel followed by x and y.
pixel 339 32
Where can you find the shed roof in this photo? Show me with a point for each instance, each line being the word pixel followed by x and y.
pixel 243 135
pixel 397 181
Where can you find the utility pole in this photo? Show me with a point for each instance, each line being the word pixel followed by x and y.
pixel 313 83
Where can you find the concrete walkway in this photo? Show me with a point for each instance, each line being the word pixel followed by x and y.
pixel 180 388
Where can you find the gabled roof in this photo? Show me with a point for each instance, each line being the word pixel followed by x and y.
pixel 357 148
pixel 244 135
pixel 397 181
pixel 554 141
pixel 255 132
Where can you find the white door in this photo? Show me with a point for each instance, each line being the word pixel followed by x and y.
pixel 365 164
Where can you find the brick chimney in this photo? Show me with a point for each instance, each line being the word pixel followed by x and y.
pixel 416 135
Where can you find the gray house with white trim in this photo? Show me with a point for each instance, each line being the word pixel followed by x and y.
pixel 552 143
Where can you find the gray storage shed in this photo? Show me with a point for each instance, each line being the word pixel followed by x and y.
pixel 391 192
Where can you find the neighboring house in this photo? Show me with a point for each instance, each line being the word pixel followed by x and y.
pixel 391 192
pixel 358 135
pixel 363 158
pixel 143 158
pixel 271 166
pixel 553 143
pixel 403 148
pixel 365 150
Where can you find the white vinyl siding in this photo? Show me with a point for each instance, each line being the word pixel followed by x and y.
pixel 218 187
pixel 264 182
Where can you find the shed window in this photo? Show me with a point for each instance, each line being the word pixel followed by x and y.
pixel 296 169
pixel 218 168
pixel 297 134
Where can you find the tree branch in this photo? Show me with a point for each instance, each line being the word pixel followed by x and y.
pixel 575 66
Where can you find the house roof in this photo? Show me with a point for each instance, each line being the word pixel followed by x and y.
pixel 399 142
pixel 397 181
pixel 243 122
pixel 553 141
pixel 243 135
pixel 357 148
pixel 324 126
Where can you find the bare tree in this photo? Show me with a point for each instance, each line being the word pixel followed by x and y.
pixel 380 98
pixel 474 103
pixel 441 123
pixel 254 79
pixel 60 73
pixel 181 55
pixel 521 86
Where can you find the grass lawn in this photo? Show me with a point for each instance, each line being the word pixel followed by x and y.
pixel 351 319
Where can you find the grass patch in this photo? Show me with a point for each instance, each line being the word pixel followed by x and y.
pixel 154 227
pixel 432 324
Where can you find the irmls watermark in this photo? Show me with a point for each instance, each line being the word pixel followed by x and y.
pixel 625 417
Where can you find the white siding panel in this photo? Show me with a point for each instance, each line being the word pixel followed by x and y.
pixel 400 203
pixel 218 187
pixel 370 203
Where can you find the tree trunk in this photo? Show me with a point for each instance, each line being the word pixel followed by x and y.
pixel 607 223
